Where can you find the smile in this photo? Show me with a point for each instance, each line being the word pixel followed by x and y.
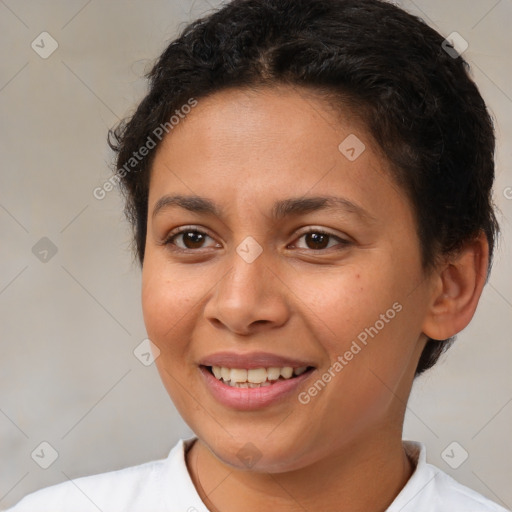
pixel 254 377
pixel 255 381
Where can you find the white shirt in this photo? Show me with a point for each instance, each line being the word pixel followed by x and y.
pixel 165 486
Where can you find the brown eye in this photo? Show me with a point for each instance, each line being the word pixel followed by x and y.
pixel 191 239
pixel 317 240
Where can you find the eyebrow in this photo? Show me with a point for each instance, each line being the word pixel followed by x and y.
pixel 281 209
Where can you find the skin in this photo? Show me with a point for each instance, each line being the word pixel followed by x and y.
pixel 245 150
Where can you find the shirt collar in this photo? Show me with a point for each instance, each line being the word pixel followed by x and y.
pixel 416 490
pixel 186 497
pixel 420 487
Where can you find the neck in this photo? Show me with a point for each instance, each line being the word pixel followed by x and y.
pixel 363 476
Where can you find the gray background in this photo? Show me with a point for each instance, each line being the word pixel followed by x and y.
pixel 69 325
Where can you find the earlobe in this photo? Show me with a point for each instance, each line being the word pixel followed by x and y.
pixel 457 290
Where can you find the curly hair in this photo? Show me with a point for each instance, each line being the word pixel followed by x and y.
pixel 416 99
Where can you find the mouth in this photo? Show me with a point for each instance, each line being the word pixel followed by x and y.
pixel 255 377
pixel 255 381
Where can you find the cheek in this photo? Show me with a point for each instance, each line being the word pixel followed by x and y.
pixel 167 303
pixel 167 300
pixel 344 301
pixel 366 315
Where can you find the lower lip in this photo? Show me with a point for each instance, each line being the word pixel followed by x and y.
pixel 248 399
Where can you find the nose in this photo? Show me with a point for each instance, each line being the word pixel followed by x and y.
pixel 251 297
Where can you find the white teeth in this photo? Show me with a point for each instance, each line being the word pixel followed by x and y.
pixel 238 375
pixel 286 372
pixel 273 373
pixel 255 377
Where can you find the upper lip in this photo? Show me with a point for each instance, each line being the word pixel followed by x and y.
pixel 251 360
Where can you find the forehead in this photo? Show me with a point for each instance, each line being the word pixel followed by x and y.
pixel 275 109
pixel 249 145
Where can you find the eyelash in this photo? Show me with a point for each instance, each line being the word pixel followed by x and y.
pixel 187 229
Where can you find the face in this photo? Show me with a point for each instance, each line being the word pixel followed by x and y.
pixel 297 267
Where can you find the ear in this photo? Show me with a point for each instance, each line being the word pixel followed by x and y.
pixel 456 290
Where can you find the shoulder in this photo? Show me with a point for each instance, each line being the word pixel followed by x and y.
pixel 118 490
pixel 432 490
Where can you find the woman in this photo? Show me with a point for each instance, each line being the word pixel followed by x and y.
pixel 309 184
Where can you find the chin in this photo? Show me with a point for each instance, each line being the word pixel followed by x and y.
pixel 253 451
